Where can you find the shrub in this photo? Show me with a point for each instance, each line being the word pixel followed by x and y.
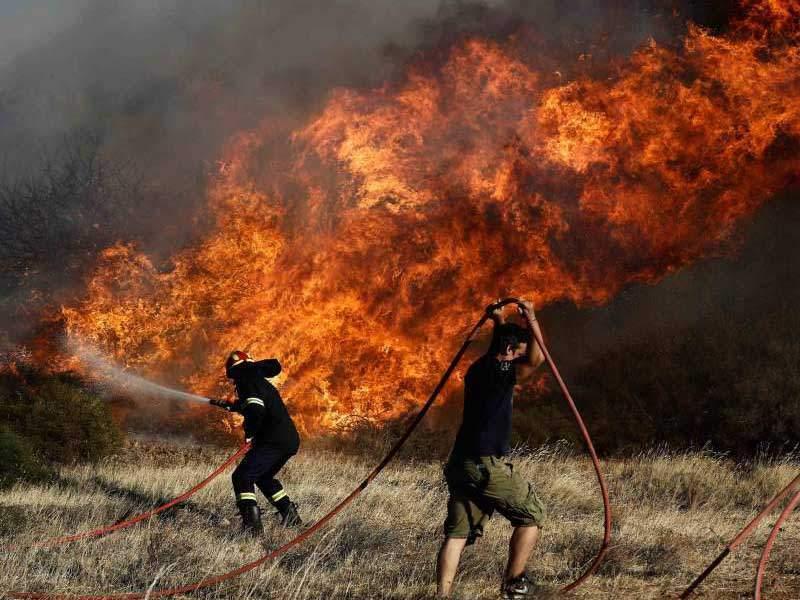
pixel 51 419
pixel 18 460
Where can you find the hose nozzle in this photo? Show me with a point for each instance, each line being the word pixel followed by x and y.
pixel 219 403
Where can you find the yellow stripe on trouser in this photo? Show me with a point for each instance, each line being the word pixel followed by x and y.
pixel 278 495
pixel 246 496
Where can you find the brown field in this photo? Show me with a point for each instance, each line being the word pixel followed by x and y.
pixel 672 514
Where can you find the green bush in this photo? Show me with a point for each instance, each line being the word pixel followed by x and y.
pixel 51 419
pixel 18 460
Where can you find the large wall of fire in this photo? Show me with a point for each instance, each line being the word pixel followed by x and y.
pixel 358 247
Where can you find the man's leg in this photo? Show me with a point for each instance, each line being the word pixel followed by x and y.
pixel 520 547
pixel 447 564
pixel 243 479
pixel 517 501
pixel 276 494
pixel 463 525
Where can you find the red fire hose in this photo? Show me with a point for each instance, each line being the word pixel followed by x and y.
pixel 211 581
pixel 762 563
pixel 56 541
pixel 595 462
pixel 742 536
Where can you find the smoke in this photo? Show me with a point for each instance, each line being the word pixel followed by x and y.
pixel 174 77
pixel 100 369
pixel 761 274
pixel 25 24
pixel 165 81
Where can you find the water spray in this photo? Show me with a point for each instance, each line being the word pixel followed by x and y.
pixel 117 377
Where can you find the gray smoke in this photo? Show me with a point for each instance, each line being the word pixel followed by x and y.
pixel 147 91
pixel 174 77
pixel 166 81
pixel 25 24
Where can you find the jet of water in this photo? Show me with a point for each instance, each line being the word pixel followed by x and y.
pixel 113 375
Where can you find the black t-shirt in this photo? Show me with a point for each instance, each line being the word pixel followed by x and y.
pixel 265 416
pixel 488 401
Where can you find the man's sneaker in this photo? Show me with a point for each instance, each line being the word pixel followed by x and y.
pixel 518 588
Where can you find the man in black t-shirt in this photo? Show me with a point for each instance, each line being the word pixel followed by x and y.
pixel 271 431
pixel 478 479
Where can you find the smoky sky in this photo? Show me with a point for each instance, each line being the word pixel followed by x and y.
pixel 156 75
pixel 25 24
pixel 138 96
pixel 166 81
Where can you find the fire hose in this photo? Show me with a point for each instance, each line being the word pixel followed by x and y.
pixel 762 563
pixel 217 579
pixel 65 539
pixel 595 463
pixel 745 533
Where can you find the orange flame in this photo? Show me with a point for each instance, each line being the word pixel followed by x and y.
pixel 357 248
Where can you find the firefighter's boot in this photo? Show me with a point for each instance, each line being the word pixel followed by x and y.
pixel 289 515
pixel 251 519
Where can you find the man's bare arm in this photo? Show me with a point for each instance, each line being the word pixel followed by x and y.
pixel 535 358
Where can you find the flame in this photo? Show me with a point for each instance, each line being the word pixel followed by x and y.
pixel 358 246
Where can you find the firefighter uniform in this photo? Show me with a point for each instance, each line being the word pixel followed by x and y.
pixel 273 436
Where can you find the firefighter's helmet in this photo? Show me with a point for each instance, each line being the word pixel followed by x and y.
pixel 236 358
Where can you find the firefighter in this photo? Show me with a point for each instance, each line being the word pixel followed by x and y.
pixel 270 430
pixel 479 479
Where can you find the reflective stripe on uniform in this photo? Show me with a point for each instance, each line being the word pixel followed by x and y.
pixel 278 495
pixel 246 496
pixel 258 401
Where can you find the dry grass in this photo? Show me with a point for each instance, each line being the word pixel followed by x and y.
pixel 672 513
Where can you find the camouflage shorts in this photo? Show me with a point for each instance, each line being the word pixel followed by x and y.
pixel 482 485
